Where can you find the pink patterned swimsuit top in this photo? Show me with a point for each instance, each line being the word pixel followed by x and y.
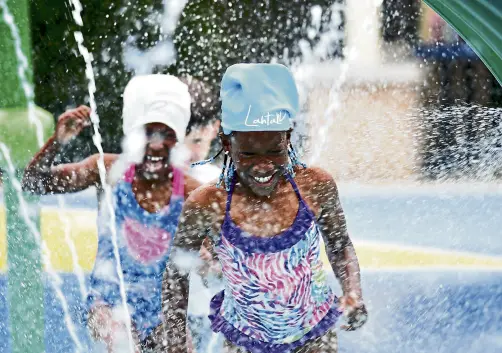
pixel 144 241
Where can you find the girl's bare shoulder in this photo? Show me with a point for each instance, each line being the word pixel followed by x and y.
pixel 314 177
pixel 317 185
pixel 207 196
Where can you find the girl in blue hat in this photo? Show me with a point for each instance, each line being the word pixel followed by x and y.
pixel 266 226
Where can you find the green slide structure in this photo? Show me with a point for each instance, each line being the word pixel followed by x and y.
pixel 18 143
pixel 479 23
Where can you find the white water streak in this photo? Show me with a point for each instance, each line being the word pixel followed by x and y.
pixel 23 68
pixel 101 162
pixel 163 53
pixel 320 51
pixel 55 279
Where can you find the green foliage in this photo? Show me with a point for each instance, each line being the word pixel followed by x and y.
pixel 59 69
pixel 211 35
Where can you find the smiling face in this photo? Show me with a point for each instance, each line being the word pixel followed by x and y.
pixel 260 158
pixel 160 141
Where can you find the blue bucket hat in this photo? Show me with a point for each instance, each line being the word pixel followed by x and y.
pixel 258 97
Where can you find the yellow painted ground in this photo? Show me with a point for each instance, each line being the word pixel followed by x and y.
pixel 83 232
pixel 380 256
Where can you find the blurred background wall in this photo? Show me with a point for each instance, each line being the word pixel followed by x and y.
pixel 415 102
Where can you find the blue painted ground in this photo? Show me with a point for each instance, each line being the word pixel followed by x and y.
pixel 430 312
pixel 410 311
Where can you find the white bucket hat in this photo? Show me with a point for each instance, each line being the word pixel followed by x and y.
pixel 156 99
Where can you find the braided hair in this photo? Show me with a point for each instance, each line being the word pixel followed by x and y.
pixel 228 168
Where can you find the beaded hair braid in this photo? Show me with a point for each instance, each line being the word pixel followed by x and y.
pixel 228 169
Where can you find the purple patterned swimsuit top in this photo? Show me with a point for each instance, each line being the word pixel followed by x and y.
pixel 276 293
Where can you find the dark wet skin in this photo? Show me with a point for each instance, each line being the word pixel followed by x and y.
pixel 262 209
pixel 258 155
pixel 152 189
pixel 161 139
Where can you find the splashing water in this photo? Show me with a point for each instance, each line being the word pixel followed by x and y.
pixel 29 94
pixel 172 12
pixel 55 279
pixel 465 157
pixel 101 164
pixel 22 70
pixel 213 343
pixel 28 90
pixel 133 151
pixel 164 52
pixel 142 63
pixel 303 75
pixel 306 70
pixel 145 62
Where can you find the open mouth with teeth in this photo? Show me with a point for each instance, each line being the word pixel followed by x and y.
pixel 153 164
pixel 263 180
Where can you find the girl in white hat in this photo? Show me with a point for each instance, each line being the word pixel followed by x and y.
pixel 147 198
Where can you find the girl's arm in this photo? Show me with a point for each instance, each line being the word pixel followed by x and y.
pixel 194 225
pixel 339 248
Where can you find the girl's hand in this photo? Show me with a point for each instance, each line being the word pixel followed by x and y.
pixel 354 310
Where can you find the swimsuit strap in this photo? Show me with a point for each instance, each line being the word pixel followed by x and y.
pixel 290 178
pixel 129 174
pixel 178 179
pixel 178 182
pixel 229 194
